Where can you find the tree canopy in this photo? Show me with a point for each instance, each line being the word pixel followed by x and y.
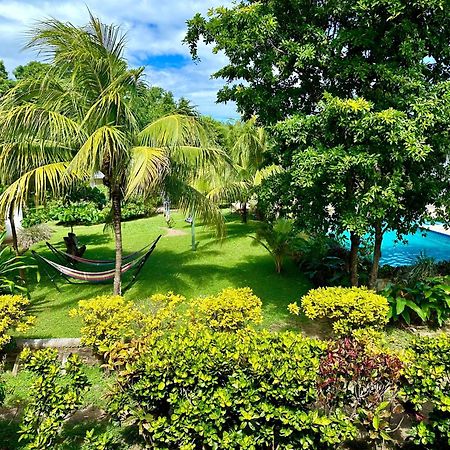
pixel 282 56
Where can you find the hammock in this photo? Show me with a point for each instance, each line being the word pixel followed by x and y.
pixel 97 277
pixel 72 259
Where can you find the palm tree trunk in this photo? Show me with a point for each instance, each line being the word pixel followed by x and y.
pixel 13 230
pixel 355 241
pixel 376 256
pixel 244 212
pixel 116 198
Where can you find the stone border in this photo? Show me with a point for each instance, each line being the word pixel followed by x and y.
pixel 52 343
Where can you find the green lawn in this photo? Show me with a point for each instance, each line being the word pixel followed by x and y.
pixel 232 262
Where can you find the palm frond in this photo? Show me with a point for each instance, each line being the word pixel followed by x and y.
pixel 147 168
pixel 194 203
pixel 34 182
pixel 107 144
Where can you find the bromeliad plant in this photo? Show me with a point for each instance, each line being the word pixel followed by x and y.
pixel 425 301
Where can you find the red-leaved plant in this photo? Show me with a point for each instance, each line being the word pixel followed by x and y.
pixel 363 383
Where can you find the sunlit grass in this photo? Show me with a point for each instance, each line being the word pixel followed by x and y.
pixel 217 264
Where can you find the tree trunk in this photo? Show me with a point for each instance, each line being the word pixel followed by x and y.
pixel 12 224
pixel 244 212
pixel 354 250
pixel 376 256
pixel 116 198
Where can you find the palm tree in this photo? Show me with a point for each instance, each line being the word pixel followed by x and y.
pixel 248 145
pixel 77 120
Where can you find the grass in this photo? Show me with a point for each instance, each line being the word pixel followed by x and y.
pixel 232 262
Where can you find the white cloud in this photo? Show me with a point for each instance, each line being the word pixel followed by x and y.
pixel 154 28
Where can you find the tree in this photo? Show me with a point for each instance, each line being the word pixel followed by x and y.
pixel 247 146
pixel 5 82
pixel 282 56
pixel 364 171
pixel 78 120
pixel 33 69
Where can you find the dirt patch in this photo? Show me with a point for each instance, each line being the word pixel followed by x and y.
pixel 173 231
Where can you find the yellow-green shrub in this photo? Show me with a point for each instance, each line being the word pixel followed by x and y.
pixel 107 319
pixel 13 316
pixel 230 310
pixel 110 319
pixel 348 308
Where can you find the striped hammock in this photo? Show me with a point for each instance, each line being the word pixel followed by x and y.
pixel 97 277
pixel 72 259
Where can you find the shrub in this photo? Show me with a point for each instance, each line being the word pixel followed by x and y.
pixel 427 383
pixel 364 383
pixel 136 208
pixel 230 310
pixel 201 389
pixel 348 308
pixel 277 238
pixel 13 316
pixel 107 319
pixel 423 301
pixel 27 237
pixel 54 397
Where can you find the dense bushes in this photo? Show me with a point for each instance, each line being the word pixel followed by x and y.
pixel 85 206
pixel 201 389
pixel 55 395
pixel 347 308
pixel 427 383
pixel 13 316
pixel 231 309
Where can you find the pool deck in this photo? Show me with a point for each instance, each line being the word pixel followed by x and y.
pixel 437 229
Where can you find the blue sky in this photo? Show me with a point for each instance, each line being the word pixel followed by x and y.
pixel 155 29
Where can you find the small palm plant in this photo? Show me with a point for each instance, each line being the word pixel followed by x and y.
pixel 11 266
pixel 277 238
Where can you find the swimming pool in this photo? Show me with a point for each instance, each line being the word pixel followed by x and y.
pixel 433 244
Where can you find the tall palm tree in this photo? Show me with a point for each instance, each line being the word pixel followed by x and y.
pixel 77 120
pixel 248 145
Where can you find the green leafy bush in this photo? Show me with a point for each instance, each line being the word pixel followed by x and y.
pixel 54 397
pixel 427 383
pixel 136 208
pixel 230 310
pixel 13 315
pixel 110 319
pixel 347 308
pixel 426 300
pixel 195 388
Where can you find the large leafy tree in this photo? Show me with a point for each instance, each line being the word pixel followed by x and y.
pixel 365 171
pixel 78 119
pixel 283 57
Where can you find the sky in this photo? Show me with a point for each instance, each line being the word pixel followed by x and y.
pixel 155 30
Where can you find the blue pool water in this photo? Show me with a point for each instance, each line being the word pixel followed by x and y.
pixel 435 245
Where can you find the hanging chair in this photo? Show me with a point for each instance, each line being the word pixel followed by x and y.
pixel 70 273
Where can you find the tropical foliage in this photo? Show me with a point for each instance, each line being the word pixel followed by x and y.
pixel 78 120
pixel 347 308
